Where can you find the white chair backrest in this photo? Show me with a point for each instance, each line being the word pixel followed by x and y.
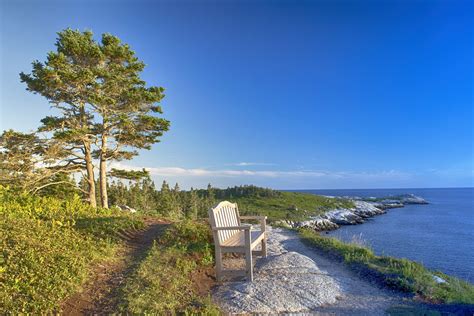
pixel 224 214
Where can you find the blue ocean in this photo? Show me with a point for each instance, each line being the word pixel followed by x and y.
pixel 439 235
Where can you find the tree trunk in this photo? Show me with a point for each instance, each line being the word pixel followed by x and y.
pixel 103 173
pixel 88 159
pixel 90 174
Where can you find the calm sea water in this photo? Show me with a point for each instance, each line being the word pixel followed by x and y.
pixel 440 235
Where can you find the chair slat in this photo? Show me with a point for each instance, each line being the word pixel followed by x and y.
pixel 225 215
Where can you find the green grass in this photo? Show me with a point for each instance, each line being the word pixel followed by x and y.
pixel 283 205
pixel 401 274
pixel 163 282
pixel 48 246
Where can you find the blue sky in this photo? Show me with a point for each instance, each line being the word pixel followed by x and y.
pixel 284 94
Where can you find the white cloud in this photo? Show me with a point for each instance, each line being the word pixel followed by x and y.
pixel 296 178
pixel 246 164
pixel 201 172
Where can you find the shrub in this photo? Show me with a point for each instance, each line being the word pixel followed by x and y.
pixel 191 236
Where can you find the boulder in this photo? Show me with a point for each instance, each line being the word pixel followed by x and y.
pixel 343 217
pixel 366 209
pixel 317 223
pixel 438 280
pixel 127 208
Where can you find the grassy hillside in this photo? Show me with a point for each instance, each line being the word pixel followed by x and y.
pixel 49 247
pixel 288 205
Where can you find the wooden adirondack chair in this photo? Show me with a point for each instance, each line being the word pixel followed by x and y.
pixel 230 235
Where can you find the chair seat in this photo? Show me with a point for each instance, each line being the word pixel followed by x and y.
pixel 238 240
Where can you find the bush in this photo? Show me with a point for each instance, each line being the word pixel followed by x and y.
pixel 190 236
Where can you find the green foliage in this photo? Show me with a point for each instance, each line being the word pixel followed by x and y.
pixel 141 195
pixel 171 203
pixel 401 274
pixel 129 174
pixel 163 283
pixel 192 205
pixel 48 246
pixel 190 236
pixel 30 163
pixel 241 191
pixel 61 185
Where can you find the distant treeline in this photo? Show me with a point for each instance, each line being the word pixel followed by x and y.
pixel 175 203
pixel 241 191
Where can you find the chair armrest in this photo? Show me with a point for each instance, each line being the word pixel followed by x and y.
pixel 262 219
pixel 242 227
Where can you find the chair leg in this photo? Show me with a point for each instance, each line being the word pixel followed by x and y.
pixel 248 256
pixel 218 253
pixel 249 263
pixel 264 247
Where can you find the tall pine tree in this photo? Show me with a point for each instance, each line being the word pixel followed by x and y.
pixel 101 99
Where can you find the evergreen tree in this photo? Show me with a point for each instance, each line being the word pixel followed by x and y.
pixel 125 106
pixel 101 98
pixel 67 80
pixel 166 206
pixel 211 196
pixel 192 204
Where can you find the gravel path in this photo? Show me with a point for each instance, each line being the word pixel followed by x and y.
pixel 296 279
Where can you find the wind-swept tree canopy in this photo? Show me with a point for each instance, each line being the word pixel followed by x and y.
pixel 106 110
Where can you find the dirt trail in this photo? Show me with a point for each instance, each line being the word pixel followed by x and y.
pixel 100 293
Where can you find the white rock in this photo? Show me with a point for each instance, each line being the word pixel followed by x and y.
pixel 438 280
pixel 127 208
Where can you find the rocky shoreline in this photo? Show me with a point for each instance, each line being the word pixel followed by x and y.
pixel 364 209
